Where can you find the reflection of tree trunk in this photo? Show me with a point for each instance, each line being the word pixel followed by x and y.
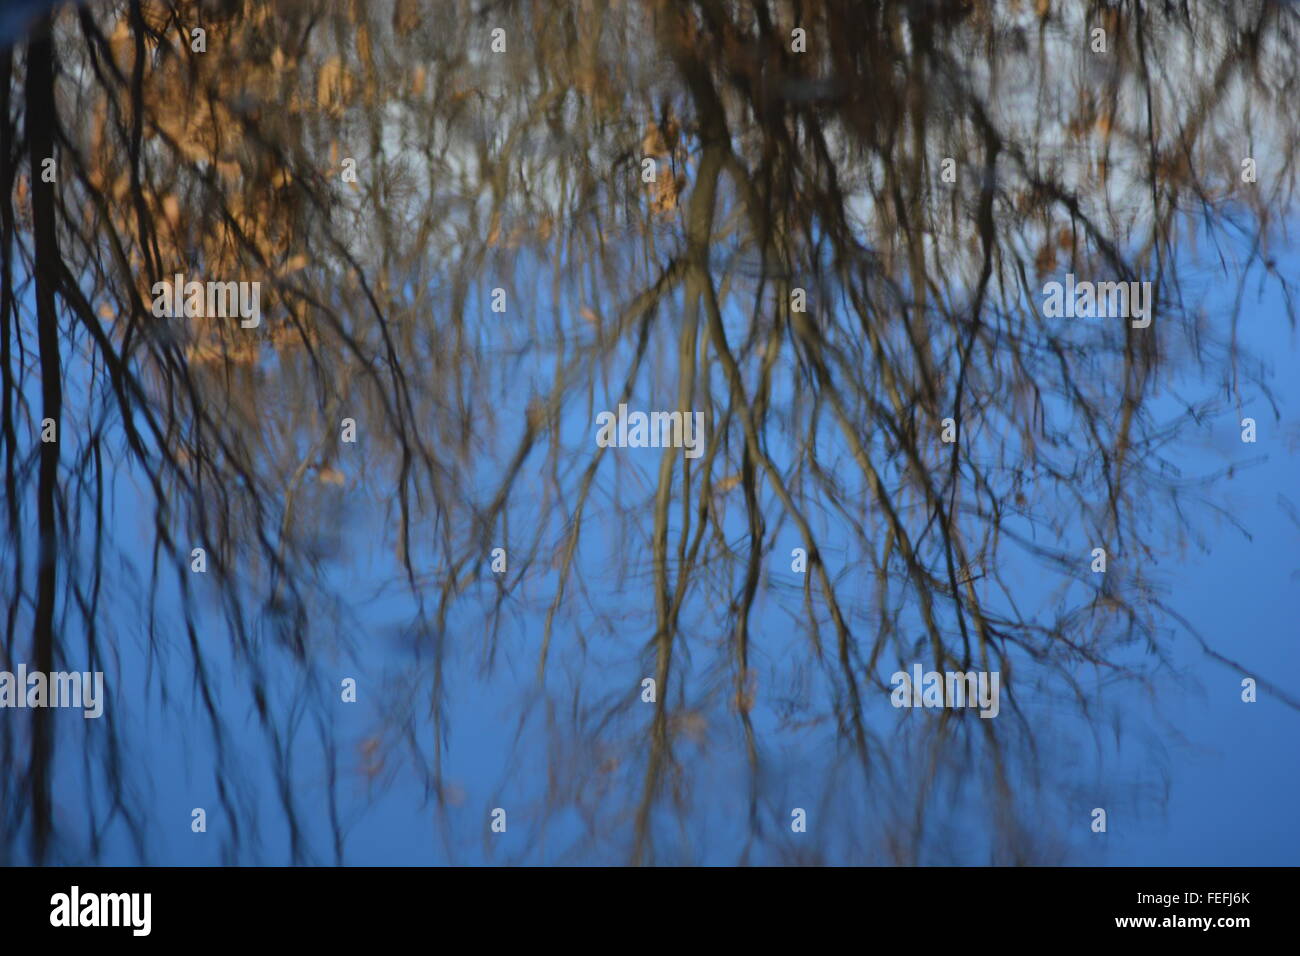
pixel 40 140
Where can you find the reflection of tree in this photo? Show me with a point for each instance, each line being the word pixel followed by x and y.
pixel 775 171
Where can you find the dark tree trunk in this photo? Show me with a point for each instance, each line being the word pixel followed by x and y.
pixel 40 143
